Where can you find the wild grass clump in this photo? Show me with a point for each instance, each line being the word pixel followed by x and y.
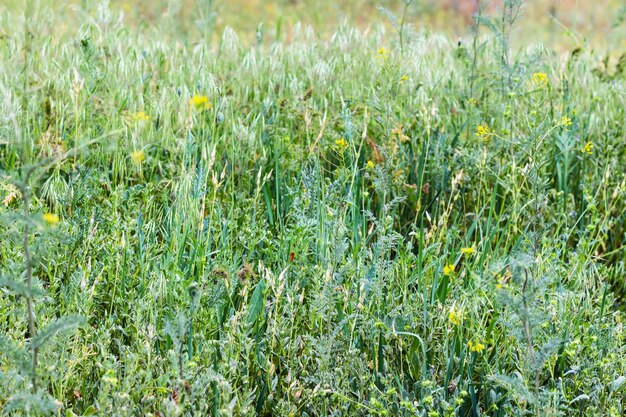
pixel 373 224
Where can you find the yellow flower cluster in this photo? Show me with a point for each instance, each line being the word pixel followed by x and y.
pixel 468 251
pixel 448 269
pixel 503 280
pixel 341 144
pixel 200 102
pixel 455 316
pixel 370 165
pixel 476 347
pixel 138 157
pixel 587 148
pixel 566 121
pixel 483 132
pixel 382 55
pixel 51 219
pixel 140 116
pixel 539 78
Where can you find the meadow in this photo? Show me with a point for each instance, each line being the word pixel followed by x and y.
pixel 367 218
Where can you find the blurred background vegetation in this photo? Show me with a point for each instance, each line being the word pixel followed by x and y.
pixel 562 24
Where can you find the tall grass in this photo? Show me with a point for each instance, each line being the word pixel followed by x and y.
pixel 370 224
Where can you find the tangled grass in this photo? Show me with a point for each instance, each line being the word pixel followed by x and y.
pixel 343 226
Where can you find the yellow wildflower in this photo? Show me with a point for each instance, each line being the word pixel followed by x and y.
pixel 138 157
pixel 140 116
pixel 566 121
pixel 200 102
pixel 455 316
pixel 539 78
pixel 382 55
pixel 502 280
pixel 51 219
pixel 370 165
pixel 475 346
pixel 448 269
pixel 404 78
pixel 587 148
pixel 483 132
pixel 467 251
pixel 473 101
pixel 341 144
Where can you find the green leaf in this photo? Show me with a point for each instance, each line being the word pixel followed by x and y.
pixel 257 301
pixel 62 324
pixel 19 288
pixel 90 411
pixel 618 383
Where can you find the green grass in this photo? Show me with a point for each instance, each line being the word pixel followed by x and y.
pixel 300 247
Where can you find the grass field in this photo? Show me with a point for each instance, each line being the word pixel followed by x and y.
pixel 205 216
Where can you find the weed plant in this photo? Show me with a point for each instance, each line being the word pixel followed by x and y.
pixel 380 224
